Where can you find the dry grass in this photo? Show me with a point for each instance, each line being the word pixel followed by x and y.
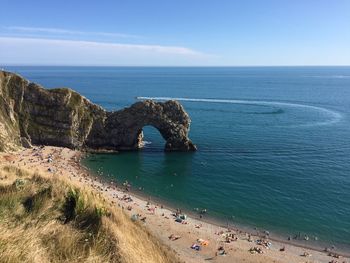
pixel 49 220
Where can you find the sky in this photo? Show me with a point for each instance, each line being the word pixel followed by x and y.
pixel 175 32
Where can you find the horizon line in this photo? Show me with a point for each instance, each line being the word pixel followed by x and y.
pixel 166 66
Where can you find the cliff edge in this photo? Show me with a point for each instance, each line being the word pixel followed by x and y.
pixel 30 114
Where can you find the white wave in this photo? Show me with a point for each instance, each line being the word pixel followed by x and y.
pixel 335 116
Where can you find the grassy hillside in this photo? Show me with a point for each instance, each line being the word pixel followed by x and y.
pixel 44 219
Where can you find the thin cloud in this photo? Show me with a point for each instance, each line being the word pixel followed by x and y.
pixel 68 52
pixel 176 50
pixel 60 31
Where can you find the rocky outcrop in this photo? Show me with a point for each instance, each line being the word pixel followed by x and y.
pixel 30 114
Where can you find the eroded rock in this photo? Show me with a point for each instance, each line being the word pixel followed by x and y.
pixel 30 114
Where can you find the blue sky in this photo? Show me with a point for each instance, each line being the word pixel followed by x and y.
pixel 175 33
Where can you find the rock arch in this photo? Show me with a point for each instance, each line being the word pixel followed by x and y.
pixel 169 118
pixel 61 117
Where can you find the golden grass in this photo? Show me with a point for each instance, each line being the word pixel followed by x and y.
pixel 45 219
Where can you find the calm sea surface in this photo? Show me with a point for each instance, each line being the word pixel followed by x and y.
pixel 273 142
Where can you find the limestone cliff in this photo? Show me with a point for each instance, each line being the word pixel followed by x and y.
pixel 30 114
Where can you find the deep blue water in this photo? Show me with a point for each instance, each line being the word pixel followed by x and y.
pixel 273 142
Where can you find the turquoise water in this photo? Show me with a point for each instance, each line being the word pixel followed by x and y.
pixel 273 142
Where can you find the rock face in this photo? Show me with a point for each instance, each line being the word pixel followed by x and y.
pixel 30 114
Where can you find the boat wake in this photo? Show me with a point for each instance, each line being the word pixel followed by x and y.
pixel 332 76
pixel 334 116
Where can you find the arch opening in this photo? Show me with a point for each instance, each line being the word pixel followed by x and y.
pixel 150 139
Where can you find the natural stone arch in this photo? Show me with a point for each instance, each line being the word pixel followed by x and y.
pixel 169 118
pixel 30 114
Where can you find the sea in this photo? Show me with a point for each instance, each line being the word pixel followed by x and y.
pixel 273 143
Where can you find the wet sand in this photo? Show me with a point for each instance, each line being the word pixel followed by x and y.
pixel 63 162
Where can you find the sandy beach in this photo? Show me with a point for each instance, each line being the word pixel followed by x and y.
pixel 216 244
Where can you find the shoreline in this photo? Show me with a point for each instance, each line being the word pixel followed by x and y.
pixel 249 229
pixel 220 223
pixel 161 223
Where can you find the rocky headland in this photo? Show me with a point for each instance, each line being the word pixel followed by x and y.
pixel 30 114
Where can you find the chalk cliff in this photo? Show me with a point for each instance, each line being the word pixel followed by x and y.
pixel 30 114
